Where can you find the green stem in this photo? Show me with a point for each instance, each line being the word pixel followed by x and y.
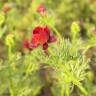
pixel 87 48
pixel 79 85
pixel 56 31
pixel 30 64
pixel 67 89
pixel 28 67
pixel 9 53
pixel 76 82
pixel 62 90
pixel 12 89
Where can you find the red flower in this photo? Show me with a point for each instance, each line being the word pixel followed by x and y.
pixel 41 9
pixel 41 36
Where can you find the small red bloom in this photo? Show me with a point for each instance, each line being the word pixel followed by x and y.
pixel 41 9
pixel 41 37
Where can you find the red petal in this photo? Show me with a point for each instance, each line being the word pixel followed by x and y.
pixel 42 30
pixel 39 39
pixel 52 39
pixel 37 30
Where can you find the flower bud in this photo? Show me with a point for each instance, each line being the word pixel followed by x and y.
pixel 9 40
pixel 41 9
pixel 75 27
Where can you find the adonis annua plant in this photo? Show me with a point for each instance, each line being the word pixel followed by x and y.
pixel 50 64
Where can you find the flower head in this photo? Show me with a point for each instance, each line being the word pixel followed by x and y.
pixel 41 9
pixel 41 37
pixel 9 40
pixel 75 27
